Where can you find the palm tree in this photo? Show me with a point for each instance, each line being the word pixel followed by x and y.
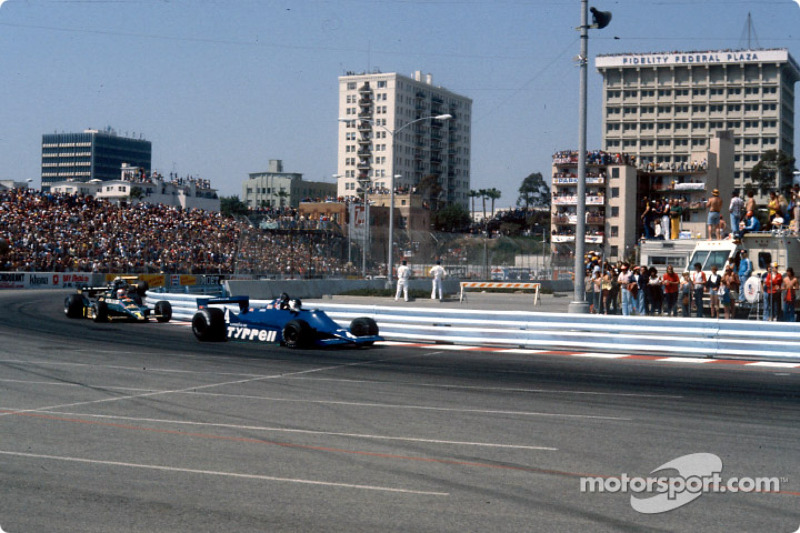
pixel 473 194
pixel 281 195
pixel 483 193
pixel 493 194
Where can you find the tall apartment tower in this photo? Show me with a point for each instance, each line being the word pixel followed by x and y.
pixel 661 107
pixel 377 139
pixel 93 154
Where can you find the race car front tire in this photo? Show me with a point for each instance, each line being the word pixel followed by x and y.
pixel 163 311
pixel 296 334
pixel 100 311
pixel 363 327
pixel 208 325
pixel 73 306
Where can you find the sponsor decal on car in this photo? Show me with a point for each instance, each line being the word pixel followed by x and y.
pixel 244 333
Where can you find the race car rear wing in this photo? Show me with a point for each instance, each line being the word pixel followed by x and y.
pixel 242 301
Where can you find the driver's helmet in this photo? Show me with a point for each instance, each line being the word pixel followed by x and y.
pixel 121 293
pixel 283 301
pixel 119 284
pixel 295 304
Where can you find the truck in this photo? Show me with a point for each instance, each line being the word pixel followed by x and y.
pixel 764 248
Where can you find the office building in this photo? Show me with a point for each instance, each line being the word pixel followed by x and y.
pixel 277 189
pixel 661 107
pixel 91 155
pixel 377 139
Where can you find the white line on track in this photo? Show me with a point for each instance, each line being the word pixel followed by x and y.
pixel 489 389
pixel 195 388
pixel 223 474
pixel 301 431
pixel 132 368
pixel 402 406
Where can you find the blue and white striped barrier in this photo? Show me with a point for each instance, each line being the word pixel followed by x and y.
pixel 691 337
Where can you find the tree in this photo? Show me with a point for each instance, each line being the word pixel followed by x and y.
pixel 473 194
pixel 136 193
pixel 232 206
pixel 430 187
pixel 482 193
pixel 772 171
pixel 452 218
pixel 282 194
pixel 493 194
pixel 533 191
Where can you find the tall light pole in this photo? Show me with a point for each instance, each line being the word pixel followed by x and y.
pixel 392 132
pixel 600 19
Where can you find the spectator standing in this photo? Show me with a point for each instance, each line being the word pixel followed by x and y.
pixel 597 287
pixel 626 283
pixel 714 282
pixel 685 292
pixel 737 211
pixel 698 278
pixel 647 220
pixel 750 204
pixel 790 286
pixel 605 290
pixel 794 206
pixel 714 206
pixel 403 277
pixel 671 283
pixel 438 273
pixel 729 284
pixel 641 276
pixel 655 292
pixel 664 210
pixel 745 269
pixel 675 215
pixel 773 283
pixel 773 206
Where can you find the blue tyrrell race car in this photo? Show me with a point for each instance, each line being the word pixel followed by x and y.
pixel 282 321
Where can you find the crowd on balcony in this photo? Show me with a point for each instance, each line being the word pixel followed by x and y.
pixel 594 157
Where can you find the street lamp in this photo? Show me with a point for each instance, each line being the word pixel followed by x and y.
pixel 390 258
pixel 600 19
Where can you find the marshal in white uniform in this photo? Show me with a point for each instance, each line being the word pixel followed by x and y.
pixel 438 273
pixel 403 275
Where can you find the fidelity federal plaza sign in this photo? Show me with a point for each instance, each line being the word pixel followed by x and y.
pixel 692 58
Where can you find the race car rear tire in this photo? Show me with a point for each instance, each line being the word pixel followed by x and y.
pixel 163 311
pixel 141 288
pixel 208 325
pixel 296 334
pixel 363 327
pixel 100 311
pixel 73 306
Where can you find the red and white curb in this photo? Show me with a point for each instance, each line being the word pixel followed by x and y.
pixel 600 355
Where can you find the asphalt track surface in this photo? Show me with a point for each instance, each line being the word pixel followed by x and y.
pixel 138 427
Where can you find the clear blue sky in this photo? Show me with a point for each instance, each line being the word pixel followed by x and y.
pixel 220 87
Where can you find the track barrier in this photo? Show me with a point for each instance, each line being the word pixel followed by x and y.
pixel 500 285
pixel 686 337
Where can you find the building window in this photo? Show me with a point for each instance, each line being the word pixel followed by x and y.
pixel 614 192
pixel 615 172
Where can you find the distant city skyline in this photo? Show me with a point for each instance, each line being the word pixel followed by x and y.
pixel 221 88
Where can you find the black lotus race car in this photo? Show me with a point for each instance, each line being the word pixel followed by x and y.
pixel 117 301
pixel 281 321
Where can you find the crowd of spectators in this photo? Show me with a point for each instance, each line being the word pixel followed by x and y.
pixel 54 232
